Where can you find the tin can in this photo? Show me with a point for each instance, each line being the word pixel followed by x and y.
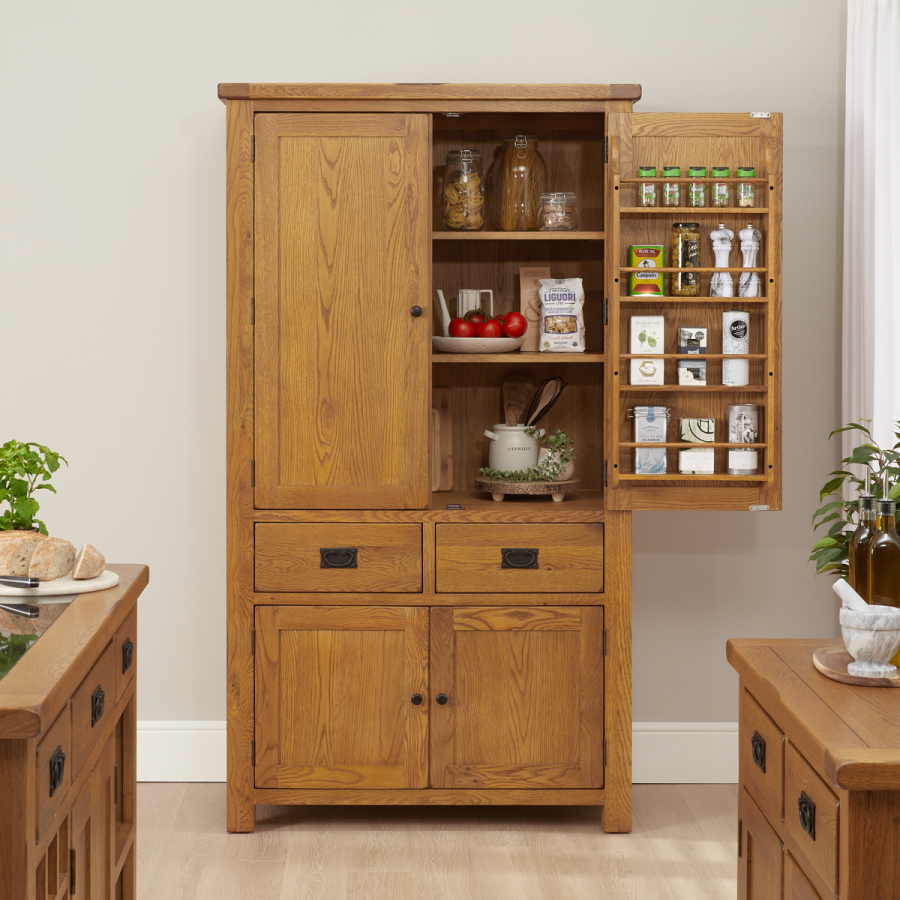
pixel 735 339
pixel 743 428
pixel 650 424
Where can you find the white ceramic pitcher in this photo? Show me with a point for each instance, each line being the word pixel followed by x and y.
pixel 470 299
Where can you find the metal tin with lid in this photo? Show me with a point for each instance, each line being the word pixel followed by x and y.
pixel 650 426
pixel 743 428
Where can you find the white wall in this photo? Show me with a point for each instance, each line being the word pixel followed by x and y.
pixel 112 283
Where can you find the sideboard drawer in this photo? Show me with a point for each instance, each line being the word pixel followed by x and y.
pixel 54 771
pixel 126 653
pixel 519 558
pixel 338 558
pixel 811 815
pixel 761 757
pixel 93 705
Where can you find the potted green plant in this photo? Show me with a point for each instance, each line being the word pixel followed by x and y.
pixel 841 515
pixel 25 468
pixel 560 451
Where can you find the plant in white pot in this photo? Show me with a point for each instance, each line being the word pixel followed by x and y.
pixel 555 460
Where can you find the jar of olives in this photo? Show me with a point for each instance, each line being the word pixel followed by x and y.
pixel 685 254
pixel 697 191
pixel 720 191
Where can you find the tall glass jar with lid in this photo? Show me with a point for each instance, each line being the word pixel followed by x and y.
pixel 462 196
pixel 685 254
pixel 519 179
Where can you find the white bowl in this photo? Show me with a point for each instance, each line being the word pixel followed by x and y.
pixel 476 344
pixel 872 638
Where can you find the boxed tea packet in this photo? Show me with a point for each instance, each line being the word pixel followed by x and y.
pixel 648 339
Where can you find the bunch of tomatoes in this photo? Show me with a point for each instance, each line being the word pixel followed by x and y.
pixel 476 324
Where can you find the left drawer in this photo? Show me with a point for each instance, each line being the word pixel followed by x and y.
pixel 310 558
pixel 93 705
pixel 54 771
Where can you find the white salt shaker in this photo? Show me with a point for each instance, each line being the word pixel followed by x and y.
pixel 721 284
pixel 748 286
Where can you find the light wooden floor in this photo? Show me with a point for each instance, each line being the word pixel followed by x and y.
pixel 683 848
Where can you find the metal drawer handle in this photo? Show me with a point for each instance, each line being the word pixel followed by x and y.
pixel 57 767
pixel 98 701
pixel 807 814
pixel 519 558
pixel 127 655
pixel 758 748
pixel 441 699
pixel 337 557
pixel 416 699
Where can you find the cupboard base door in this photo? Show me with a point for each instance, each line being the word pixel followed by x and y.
pixel 760 863
pixel 517 697
pixel 340 697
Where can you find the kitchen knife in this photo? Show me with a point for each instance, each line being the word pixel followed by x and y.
pixel 25 610
pixel 19 581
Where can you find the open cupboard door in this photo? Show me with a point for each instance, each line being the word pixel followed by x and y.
pixel 688 140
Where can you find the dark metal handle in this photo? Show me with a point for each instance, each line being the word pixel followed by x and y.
pixel 57 767
pixel 758 748
pixel 127 655
pixel 807 814
pixel 72 858
pixel 416 311
pixel 19 581
pixel 519 558
pixel 98 701
pixel 337 557
pixel 442 699
pixel 416 699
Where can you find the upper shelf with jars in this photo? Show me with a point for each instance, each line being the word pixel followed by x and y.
pixel 713 190
pixel 509 176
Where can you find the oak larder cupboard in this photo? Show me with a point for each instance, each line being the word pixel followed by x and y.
pixel 383 647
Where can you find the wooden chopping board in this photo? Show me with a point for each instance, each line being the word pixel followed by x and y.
pixel 443 438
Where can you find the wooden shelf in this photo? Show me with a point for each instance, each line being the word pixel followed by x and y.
pixel 706 270
pixel 696 388
pixel 669 299
pixel 700 356
pixel 582 506
pixel 686 446
pixel 693 210
pixel 689 180
pixel 519 358
pixel 624 477
pixel 518 235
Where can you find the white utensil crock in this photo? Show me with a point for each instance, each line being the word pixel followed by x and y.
pixel 511 449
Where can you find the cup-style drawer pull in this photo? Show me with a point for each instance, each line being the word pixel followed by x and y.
pixel 758 748
pixel 98 701
pixel 127 655
pixel 807 814
pixel 519 558
pixel 57 768
pixel 337 557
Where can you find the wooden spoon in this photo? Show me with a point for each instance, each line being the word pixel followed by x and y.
pixel 516 392
pixel 548 391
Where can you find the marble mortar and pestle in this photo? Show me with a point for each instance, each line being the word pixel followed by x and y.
pixel 871 633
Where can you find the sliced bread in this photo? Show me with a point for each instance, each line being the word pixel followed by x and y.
pixel 90 562
pixel 52 559
pixel 17 550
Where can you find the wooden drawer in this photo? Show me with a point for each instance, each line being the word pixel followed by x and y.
pixel 338 558
pixel 126 654
pixel 796 884
pixel 820 846
pixel 53 770
pixel 761 757
pixel 93 705
pixel 519 558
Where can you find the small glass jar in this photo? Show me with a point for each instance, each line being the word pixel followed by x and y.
pixel 721 194
pixel 462 197
pixel 685 254
pixel 558 212
pixel 671 192
pixel 519 179
pixel 697 189
pixel 746 193
pixel 647 192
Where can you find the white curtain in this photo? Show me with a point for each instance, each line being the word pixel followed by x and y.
pixel 871 312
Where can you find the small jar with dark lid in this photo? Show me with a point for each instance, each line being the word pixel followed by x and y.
pixel 558 212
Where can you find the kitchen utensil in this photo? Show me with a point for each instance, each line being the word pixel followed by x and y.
pixel 511 450
pixel 65 585
pixel 24 610
pixel 516 391
pixel 20 581
pixel 476 344
pixel 544 398
pixel 441 401
pixel 469 299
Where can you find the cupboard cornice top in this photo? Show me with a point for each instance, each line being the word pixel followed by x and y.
pixel 245 91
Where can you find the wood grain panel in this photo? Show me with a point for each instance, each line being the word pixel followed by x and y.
pixel 435 797
pixel 342 237
pixel 765 787
pixel 288 558
pixel 796 884
pixel 760 864
pixel 524 703
pixel 333 697
pixel 59 735
pixel 127 633
pixel 570 558
pixel 84 734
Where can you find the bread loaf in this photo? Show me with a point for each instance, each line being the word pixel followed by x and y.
pixel 90 562
pixel 52 559
pixel 16 551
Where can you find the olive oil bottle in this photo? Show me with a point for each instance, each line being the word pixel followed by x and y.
pixel 861 543
pixel 884 557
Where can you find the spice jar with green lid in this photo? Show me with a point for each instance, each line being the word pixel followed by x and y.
pixel 671 192
pixel 720 192
pixel 697 190
pixel 647 192
pixel 746 192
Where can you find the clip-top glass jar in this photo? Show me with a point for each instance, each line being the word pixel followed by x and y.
pixel 520 177
pixel 558 212
pixel 686 255
pixel 462 198
pixel 746 192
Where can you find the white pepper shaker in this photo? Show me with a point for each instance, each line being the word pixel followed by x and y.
pixel 748 286
pixel 721 284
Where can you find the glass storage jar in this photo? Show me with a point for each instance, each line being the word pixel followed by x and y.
pixel 685 254
pixel 558 212
pixel 671 192
pixel 647 192
pixel 720 189
pixel 746 192
pixel 697 189
pixel 520 177
pixel 462 197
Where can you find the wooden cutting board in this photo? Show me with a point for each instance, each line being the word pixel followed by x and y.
pixel 443 438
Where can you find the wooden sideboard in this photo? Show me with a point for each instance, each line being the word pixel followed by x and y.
pixel 819 805
pixel 67 749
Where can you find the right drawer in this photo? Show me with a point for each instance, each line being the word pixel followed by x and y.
pixel 486 559
pixel 93 705
pixel 811 815
pixel 126 653
pixel 761 757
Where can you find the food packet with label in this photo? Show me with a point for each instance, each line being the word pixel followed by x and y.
pixel 562 315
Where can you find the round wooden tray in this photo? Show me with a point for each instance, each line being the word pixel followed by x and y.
pixel 498 489
pixel 832 663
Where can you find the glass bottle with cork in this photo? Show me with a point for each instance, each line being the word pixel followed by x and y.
pixel 861 542
pixel 884 556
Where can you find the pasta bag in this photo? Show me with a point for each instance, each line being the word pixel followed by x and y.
pixel 562 315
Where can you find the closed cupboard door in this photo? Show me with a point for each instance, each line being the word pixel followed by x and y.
pixel 341 697
pixel 342 320
pixel 760 860
pixel 517 697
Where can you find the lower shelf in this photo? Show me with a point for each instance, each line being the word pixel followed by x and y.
pixel 434 797
pixel 676 477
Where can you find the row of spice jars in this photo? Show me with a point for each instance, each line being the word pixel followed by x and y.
pixel 669 193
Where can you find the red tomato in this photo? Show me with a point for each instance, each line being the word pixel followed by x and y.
pixel 461 328
pixel 500 317
pixel 490 329
pixel 515 325
pixel 475 316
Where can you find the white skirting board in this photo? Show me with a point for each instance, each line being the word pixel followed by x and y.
pixel 663 752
